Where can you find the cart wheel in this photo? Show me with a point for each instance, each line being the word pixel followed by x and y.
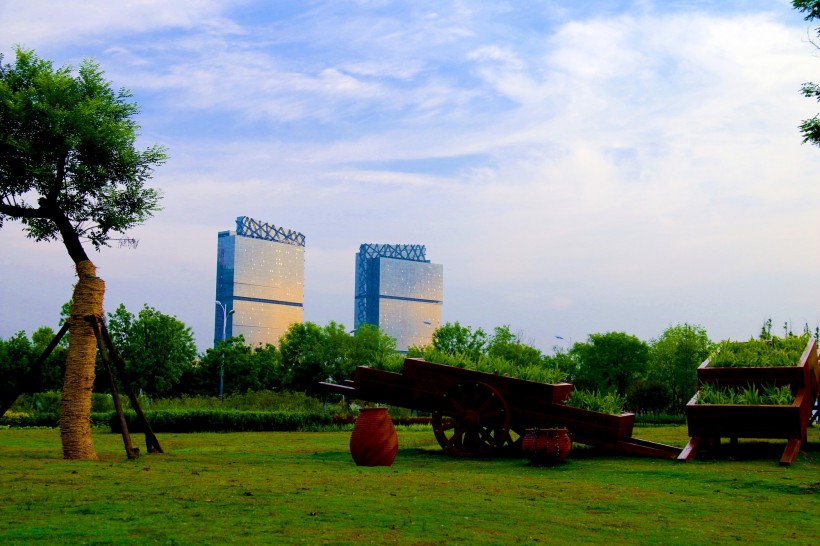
pixel 473 420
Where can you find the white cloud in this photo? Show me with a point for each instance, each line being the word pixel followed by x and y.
pixel 621 172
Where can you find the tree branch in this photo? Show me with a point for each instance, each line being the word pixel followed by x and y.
pixel 17 212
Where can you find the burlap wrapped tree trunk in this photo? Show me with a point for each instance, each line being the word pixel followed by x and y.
pixel 75 406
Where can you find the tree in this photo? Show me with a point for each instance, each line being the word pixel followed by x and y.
pixel 227 364
pixel 369 347
pixel 457 339
pixel 51 373
pixel 674 359
pixel 69 170
pixel 610 361
pixel 647 396
pixel 156 349
pixel 16 356
pixel 311 354
pixel 504 344
pixel 810 127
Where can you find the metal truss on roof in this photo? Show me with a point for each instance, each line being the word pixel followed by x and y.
pixel 248 227
pixel 415 253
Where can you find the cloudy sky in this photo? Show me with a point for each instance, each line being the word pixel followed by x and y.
pixel 577 167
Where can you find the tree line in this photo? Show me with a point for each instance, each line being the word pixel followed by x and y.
pixel 161 359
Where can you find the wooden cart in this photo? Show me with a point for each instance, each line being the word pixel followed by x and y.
pixel 478 414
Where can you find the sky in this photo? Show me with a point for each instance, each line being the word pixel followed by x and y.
pixel 577 167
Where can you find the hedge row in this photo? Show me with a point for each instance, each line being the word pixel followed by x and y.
pixel 660 419
pixel 187 420
pixel 205 420
pixel 50 419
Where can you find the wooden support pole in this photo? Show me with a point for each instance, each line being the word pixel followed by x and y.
pixel 151 441
pixel 130 451
pixel 8 398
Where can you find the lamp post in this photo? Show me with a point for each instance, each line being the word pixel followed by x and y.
pixel 225 314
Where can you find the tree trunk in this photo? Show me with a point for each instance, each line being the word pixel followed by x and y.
pixel 75 406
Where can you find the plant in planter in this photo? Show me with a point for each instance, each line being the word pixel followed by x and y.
pixel 772 395
pixel 609 403
pixel 755 389
pixel 774 352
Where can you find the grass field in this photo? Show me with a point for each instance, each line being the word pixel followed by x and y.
pixel 304 488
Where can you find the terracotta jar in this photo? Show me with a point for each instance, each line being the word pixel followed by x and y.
pixel 546 446
pixel 374 441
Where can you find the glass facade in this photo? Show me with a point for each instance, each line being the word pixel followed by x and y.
pixel 260 279
pixel 400 291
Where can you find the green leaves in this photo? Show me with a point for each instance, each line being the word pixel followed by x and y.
pixel 610 402
pixel 540 372
pixel 758 352
pixel 69 168
pixel 772 395
pixel 810 128
pixel 157 349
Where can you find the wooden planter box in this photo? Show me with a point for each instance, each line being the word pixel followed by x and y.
pixel 710 422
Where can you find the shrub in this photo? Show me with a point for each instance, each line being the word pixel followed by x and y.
pixel 207 420
pixel 50 419
pixel 772 395
pixel 757 352
pixel 488 364
pixel 610 403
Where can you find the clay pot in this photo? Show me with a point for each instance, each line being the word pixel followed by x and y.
pixel 374 441
pixel 546 446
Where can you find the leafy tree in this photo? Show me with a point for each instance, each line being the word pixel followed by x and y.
pixel 334 352
pixel 52 371
pixel 369 347
pixel 69 170
pixel 674 360
pixel 19 373
pixel 240 368
pixel 155 348
pixel 647 396
pixel 16 356
pixel 504 344
pixel 810 127
pixel 565 360
pixel 457 339
pixel 311 354
pixel 610 361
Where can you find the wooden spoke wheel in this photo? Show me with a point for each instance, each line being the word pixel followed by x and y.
pixel 473 420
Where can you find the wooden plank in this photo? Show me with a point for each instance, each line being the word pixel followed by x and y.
pixel 645 448
pixel 747 421
pixel 590 425
pixel 790 453
pixel 338 389
pixel 691 450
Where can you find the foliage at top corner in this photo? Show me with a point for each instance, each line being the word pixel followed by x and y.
pixel 69 167
pixel 810 128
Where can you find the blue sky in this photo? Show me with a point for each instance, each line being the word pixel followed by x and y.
pixel 576 167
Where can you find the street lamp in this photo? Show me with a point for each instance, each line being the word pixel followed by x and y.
pixel 225 314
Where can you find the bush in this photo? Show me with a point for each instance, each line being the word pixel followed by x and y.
pixel 660 419
pixel 758 352
pixel 610 403
pixel 49 402
pixel 50 419
pixel 248 401
pixel 772 395
pixel 218 420
pixel 491 364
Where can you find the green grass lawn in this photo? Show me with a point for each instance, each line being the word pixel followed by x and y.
pixel 304 488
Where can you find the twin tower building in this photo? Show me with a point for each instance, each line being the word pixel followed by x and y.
pixel 260 286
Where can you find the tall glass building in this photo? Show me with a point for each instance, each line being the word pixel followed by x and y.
pixel 400 291
pixel 260 281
